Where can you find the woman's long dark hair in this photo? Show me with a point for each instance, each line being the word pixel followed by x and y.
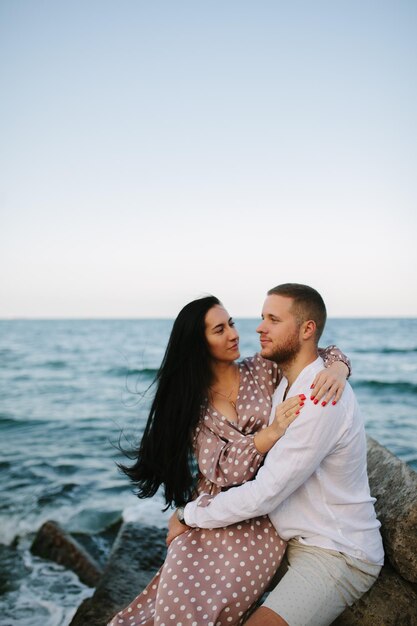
pixel 165 453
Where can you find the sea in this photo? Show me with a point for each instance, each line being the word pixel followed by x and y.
pixel 73 391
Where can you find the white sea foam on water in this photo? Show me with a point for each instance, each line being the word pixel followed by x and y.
pixel 148 512
pixel 48 596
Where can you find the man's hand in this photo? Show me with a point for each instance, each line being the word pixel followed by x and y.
pixel 175 528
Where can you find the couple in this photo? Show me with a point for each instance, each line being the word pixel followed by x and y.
pixel 313 482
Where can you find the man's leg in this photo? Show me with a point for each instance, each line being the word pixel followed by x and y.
pixel 317 587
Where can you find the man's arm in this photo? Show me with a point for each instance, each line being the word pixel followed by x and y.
pixel 287 466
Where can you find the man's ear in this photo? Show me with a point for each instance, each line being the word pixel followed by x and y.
pixel 308 329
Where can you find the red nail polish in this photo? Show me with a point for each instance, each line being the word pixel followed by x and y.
pixel 302 396
pixel 323 403
pixel 315 401
pixel 312 397
pixel 297 412
pixel 312 387
pixel 334 402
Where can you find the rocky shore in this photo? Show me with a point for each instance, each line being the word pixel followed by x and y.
pixel 138 551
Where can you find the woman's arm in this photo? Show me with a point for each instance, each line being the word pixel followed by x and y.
pixel 231 463
pixel 332 354
pixel 334 360
pixel 226 463
pixel 226 458
pixel 285 414
pixel 330 382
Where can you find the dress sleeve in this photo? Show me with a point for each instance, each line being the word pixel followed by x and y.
pixel 227 461
pixel 271 374
pixel 332 354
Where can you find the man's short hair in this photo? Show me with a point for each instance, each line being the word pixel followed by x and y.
pixel 307 304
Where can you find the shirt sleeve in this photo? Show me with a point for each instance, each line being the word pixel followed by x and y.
pixel 230 461
pixel 332 354
pixel 287 466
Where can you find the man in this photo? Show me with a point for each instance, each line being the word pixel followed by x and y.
pixel 313 483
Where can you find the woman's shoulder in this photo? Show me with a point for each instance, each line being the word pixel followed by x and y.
pixel 263 372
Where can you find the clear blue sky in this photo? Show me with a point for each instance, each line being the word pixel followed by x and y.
pixel 151 152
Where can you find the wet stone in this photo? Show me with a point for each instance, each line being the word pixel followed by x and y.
pixel 394 485
pixel 53 543
pixel 137 554
pixel 99 545
pixel 392 601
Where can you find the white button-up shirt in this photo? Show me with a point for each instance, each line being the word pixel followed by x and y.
pixel 313 484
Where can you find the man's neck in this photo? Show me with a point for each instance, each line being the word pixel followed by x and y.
pixel 292 369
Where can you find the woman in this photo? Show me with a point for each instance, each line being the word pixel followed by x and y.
pixel 210 408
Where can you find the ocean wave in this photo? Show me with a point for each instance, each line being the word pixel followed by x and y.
pixel 7 420
pixel 6 352
pixel 57 493
pixel 126 371
pixel 55 386
pixel 92 520
pixel 22 378
pixel 390 387
pixel 384 350
pixel 55 364
pixel 29 603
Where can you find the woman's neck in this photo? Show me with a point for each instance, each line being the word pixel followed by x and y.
pixel 224 390
pixel 223 374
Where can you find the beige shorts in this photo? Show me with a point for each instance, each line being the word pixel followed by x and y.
pixel 319 584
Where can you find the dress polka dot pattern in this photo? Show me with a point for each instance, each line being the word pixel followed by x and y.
pixel 213 577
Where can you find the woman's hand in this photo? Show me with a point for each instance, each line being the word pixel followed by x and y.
pixel 330 383
pixel 175 528
pixel 286 413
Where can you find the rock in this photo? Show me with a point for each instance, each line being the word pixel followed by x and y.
pixel 99 545
pixel 53 543
pixel 137 554
pixel 394 485
pixel 391 601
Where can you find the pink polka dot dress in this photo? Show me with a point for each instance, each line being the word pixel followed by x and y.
pixel 213 577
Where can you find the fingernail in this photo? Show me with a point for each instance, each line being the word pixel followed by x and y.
pixel 312 387
pixel 301 403
pixel 297 412
pixel 334 402
pixel 302 396
pixel 312 397
pixel 323 403
pixel 315 401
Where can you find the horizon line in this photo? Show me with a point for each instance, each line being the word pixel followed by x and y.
pixel 165 318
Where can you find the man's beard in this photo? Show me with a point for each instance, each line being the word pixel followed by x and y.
pixel 287 352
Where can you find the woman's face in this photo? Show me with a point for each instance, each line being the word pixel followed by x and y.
pixel 221 335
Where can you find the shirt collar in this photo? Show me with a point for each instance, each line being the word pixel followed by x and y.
pixel 306 375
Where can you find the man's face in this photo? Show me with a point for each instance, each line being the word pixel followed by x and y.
pixel 279 330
